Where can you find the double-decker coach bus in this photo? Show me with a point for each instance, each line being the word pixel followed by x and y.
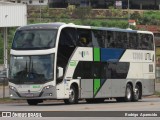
pixel 72 62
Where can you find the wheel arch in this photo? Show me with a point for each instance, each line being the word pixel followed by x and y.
pixel 76 86
pixel 130 83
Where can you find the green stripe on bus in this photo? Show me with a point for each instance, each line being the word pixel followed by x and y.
pixel 96 85
pixel 96 54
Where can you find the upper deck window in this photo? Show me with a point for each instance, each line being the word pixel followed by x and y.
pixel 34 39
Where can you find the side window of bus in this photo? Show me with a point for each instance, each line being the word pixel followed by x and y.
pixel 121 40
pixel 68 37
pixel 98 38
pixel 134 43
pixel 67 42
pixel 84 38
pixel 146 41
pixel 83 70
pixel 110 40
pixel 150 41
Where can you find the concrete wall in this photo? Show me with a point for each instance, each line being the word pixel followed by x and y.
pixel 13 15
pixel 32 2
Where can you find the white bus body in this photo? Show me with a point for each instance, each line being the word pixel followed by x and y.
pixel 72 62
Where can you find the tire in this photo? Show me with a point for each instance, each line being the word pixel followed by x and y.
pixel 136 93
pixel 73 96
pixel 98 100
pixel 128 93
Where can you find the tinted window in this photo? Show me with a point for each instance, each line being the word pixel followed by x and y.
pixel 126 40
pixel 99 38
pixel 101 70
pixel 68 37
pixel 134 43
pixel 34 39
pixel 84 38
pixel 31 69
pixel 109 39
pixel 121 40
pixel 67 42
pixel 146 41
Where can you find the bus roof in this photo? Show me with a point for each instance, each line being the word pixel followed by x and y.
pixel 57 25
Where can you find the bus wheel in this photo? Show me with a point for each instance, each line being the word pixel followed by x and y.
pixel 128 93
pixel 34 102
pixel 136 93
pixel 73 96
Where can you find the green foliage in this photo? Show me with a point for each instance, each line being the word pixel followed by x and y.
pixel 136 16
pixel 82 12
pixel 1 49
pixel 116 13
pixel 11 32
pixel 151 17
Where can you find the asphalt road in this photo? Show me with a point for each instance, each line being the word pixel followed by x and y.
pixel 146 104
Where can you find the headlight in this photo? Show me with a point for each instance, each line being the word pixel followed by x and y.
pixel 13 88
pixel 47 87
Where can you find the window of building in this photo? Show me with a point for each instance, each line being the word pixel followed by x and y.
pixel 41 1
pixel 30 1
pixel 18 1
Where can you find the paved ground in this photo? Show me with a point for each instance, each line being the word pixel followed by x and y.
pixel 4 91
pixel 157 86
pixel 1 67
pixel 146 104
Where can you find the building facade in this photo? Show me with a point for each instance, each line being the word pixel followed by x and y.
pixel 30 2
pixel 104 4
pixel 133 4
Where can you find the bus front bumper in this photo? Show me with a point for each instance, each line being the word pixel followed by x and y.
pixel 49 93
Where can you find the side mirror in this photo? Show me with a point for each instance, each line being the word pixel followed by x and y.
pixel 60 72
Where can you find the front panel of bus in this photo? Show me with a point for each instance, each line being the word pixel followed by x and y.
pixel 32 64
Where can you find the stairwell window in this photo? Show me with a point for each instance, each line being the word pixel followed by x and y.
pixel 18 1
pixel 30 1
pixel 41 1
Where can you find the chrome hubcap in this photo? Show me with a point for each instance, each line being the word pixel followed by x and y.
pixel 71 94
pixel 136 91
pixel 128 93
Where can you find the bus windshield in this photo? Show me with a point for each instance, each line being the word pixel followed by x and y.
pixel 31 69
pixel 34 39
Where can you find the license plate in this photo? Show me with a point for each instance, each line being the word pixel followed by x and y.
pixel 29 95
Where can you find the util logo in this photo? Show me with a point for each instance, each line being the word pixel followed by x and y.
pixel 84 53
